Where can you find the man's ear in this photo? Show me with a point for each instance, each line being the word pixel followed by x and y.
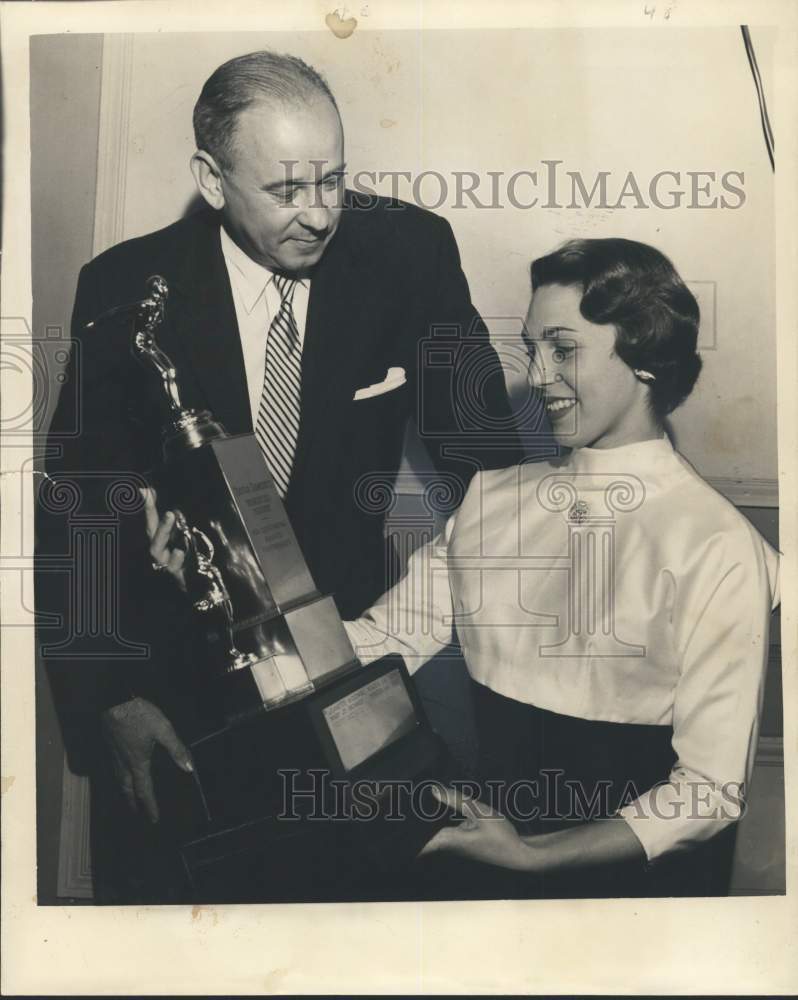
pixel 208 178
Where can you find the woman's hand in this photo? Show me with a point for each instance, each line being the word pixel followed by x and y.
pixel 484 835
pixel 159 530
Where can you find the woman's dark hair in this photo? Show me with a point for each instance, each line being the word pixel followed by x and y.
pixel 242 81
pixel 637 289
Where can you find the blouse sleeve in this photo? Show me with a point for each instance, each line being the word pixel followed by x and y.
pixel 414 618
pixel 720 620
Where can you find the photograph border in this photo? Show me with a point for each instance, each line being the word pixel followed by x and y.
pixel 743 945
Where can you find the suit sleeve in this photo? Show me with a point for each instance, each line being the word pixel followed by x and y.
pixel 91 537
pixel 464 415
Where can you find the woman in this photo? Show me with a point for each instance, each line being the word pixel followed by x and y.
pixel 612 609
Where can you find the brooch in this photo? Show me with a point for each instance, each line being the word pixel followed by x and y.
pixel 580 512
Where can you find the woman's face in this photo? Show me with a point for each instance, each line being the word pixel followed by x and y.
pixel 593 399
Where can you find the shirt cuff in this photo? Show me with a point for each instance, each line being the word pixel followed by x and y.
pixel 368 643
pixel 678 815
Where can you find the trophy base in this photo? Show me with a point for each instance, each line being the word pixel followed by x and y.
pixel 299 641
pixel 328 797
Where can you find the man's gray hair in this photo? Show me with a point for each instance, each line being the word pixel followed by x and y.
pixel 239 83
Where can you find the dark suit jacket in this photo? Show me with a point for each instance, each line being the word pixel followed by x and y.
pixel 389 292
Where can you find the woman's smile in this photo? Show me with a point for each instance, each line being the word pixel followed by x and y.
pixel 557 408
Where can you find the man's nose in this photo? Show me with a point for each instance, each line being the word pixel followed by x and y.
pixel 316 218
pixel 314 214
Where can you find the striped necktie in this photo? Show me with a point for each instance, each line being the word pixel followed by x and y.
pixel 277 426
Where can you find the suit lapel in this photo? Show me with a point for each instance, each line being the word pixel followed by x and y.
pixel 335 332
pixel 204 317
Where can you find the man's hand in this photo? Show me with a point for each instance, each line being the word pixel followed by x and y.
pixel 132 730
pixel 159 530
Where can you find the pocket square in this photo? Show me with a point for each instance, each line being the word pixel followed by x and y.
pixel 393 379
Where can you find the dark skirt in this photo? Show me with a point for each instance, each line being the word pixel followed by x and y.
pixel 546 772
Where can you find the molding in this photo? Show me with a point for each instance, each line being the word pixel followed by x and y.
pixel 747 492
pixel 112 143
pixel 74 850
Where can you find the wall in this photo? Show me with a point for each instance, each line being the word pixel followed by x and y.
pixel 64 104
pixel 620 100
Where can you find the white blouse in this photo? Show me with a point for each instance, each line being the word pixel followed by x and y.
pixel 612 585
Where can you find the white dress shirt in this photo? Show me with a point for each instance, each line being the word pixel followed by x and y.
pixel 257 301
pixel 613 585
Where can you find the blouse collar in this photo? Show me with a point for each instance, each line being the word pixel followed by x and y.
pixel 640 458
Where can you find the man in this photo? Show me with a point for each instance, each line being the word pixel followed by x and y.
pixel 298 310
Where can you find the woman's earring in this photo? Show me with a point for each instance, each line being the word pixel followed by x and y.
pixel 644 376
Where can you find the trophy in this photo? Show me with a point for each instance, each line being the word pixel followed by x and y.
pixel 244 564
pixel 294 698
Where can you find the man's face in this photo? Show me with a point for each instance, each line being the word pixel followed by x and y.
pixel 284 188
